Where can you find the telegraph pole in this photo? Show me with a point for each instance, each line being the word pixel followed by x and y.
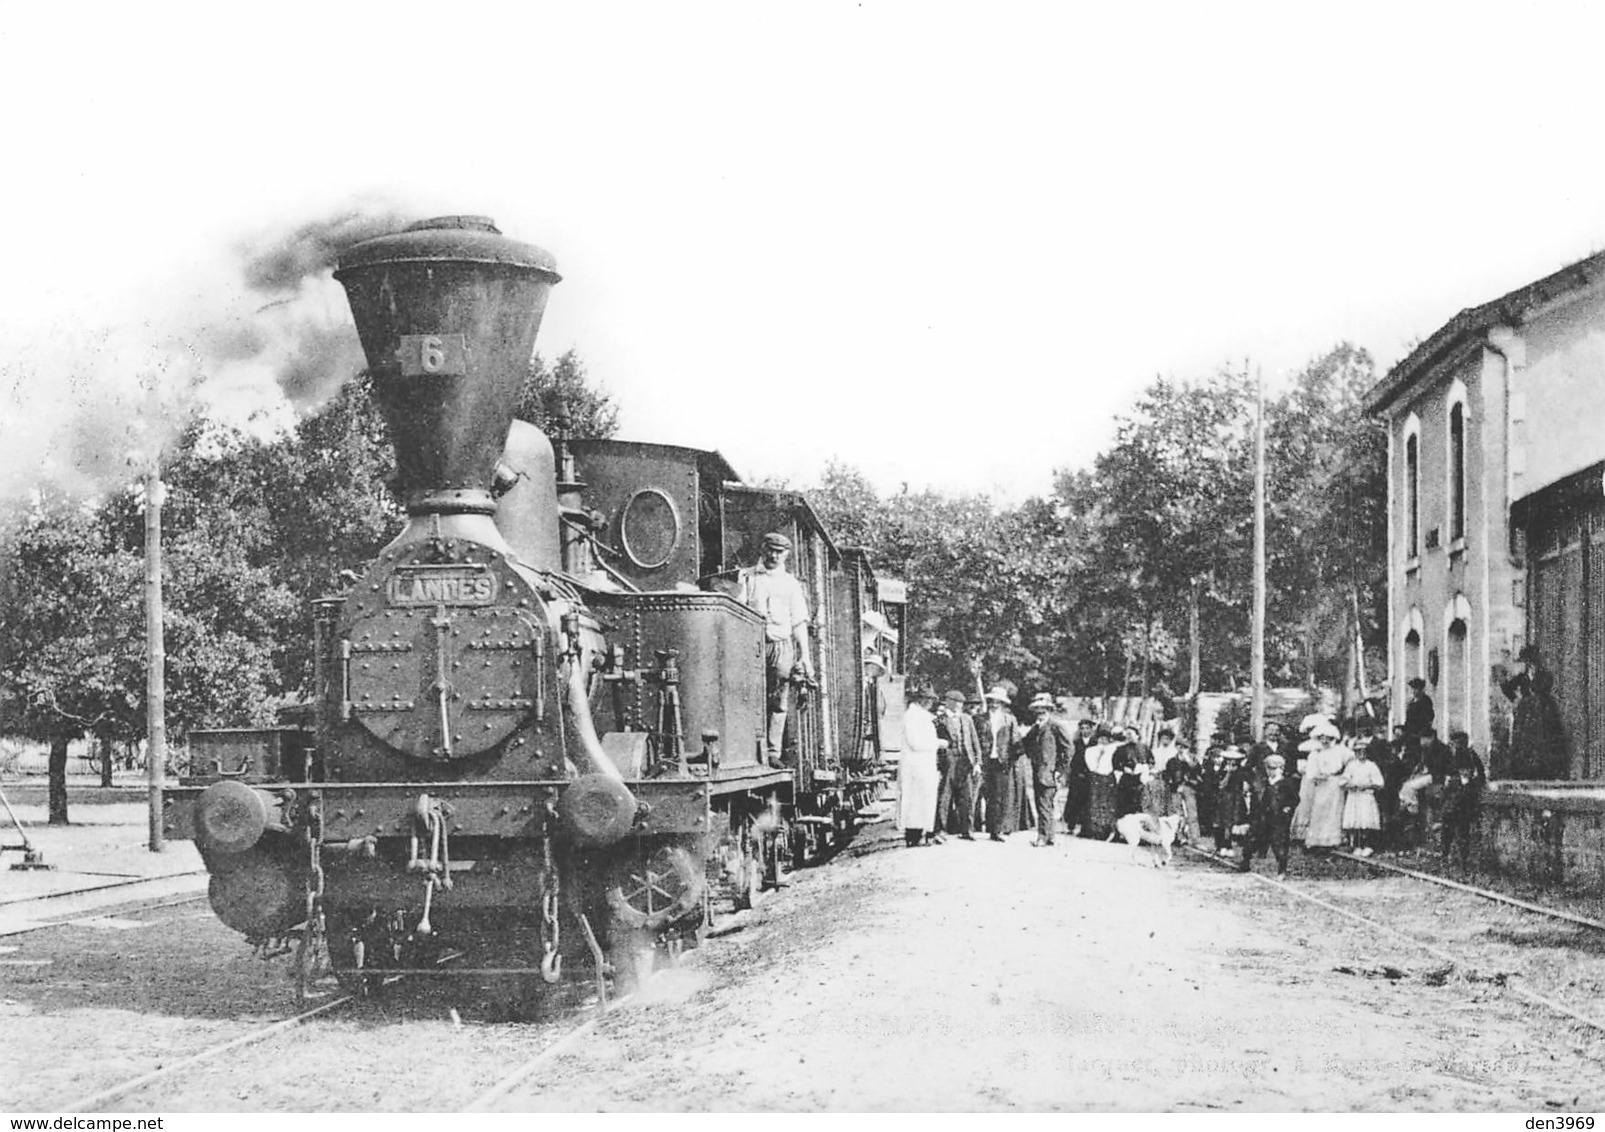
pixel 155 654
pixel 1257 654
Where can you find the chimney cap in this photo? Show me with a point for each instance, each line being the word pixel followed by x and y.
pixel 455 239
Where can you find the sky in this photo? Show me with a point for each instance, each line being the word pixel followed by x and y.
pixel 947 244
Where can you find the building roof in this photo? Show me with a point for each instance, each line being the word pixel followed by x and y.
pixel 1507 310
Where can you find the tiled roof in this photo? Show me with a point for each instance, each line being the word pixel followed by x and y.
pixel 1507 310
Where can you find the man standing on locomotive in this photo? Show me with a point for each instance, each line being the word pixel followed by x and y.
pixel 779 597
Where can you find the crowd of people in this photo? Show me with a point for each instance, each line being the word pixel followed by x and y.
pixel 971 767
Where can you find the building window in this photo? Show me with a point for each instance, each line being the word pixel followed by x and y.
pixel 1412 496
pixel 1457 682
pixel 1411 659
pixel 1457 471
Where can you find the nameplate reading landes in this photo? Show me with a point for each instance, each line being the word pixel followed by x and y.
pixel 442 585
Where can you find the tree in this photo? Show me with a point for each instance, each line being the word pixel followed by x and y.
pixel 70 633
pixel 1165 520
pixel 982 580
pixel 1326 527
pixel 330 508
pixel 564 390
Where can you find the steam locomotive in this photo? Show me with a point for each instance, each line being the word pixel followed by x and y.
pixel 540 712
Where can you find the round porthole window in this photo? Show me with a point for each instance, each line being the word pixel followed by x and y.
pixel 649 528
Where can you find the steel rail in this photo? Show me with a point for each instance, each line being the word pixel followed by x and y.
pixel 95 913
pixel 248 1039
pixel 255 1036
pixel 518 1076
pixel 1486 894
pixel 1526 995
pixel 19 900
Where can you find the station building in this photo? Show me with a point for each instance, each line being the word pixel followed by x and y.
pixel 1496 537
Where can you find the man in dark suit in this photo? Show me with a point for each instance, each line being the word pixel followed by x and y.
pixel 957 802
pixel 999 733
pixel 1078 783
pixel 1047 744
pixel 1418 710
pixel 1271 801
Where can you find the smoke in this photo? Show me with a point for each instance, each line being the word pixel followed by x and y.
pixel 256 337
pixel 305 332
pixel 283 263
pixel 86 409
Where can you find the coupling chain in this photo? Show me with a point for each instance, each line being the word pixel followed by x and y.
pixel 551 961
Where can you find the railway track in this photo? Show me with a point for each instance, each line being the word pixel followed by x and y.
pixel 24 915
pixel 528 1068
pixel 254 1037
pixel 1482 893
pixel 227 1062
pixel 45 898
pixel 1511 981
pixel 572 1032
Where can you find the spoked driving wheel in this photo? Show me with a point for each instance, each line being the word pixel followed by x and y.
pixel 658 888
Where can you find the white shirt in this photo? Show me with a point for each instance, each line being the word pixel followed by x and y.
pixel 998 720
pixel 779 597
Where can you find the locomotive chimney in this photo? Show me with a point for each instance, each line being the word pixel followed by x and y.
pixel 447 311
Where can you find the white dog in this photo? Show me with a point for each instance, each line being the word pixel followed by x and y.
pixel 1143 829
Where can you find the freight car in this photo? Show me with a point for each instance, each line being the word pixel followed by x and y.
pixel 539 713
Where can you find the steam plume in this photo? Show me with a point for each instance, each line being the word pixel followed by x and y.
pixel 266 337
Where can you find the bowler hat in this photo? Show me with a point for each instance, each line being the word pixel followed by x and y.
pixel 1417 683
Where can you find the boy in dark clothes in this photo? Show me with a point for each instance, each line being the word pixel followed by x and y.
pixel 1462 796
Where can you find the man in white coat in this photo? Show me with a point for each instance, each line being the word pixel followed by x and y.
pixel 917 778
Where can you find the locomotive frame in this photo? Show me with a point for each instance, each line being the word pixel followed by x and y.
pixel 539 714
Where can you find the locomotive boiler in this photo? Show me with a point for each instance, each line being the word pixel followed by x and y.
pixel 539 712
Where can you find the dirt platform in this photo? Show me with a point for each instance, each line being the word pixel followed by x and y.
pixel 1005 977
pixel 969 976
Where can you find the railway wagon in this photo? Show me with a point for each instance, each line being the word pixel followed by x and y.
pixel 539 712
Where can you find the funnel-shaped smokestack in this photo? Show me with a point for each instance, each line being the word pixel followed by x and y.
pixel 447 311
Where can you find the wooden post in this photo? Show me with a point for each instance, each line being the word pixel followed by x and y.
pixel 155 656
pixel 1257 653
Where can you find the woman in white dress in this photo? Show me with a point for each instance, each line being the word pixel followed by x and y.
pixel 917 777
pixel 1362 778
pixel 1319 819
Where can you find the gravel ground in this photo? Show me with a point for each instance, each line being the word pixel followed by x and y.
pixel 980 976
pixel 966 976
